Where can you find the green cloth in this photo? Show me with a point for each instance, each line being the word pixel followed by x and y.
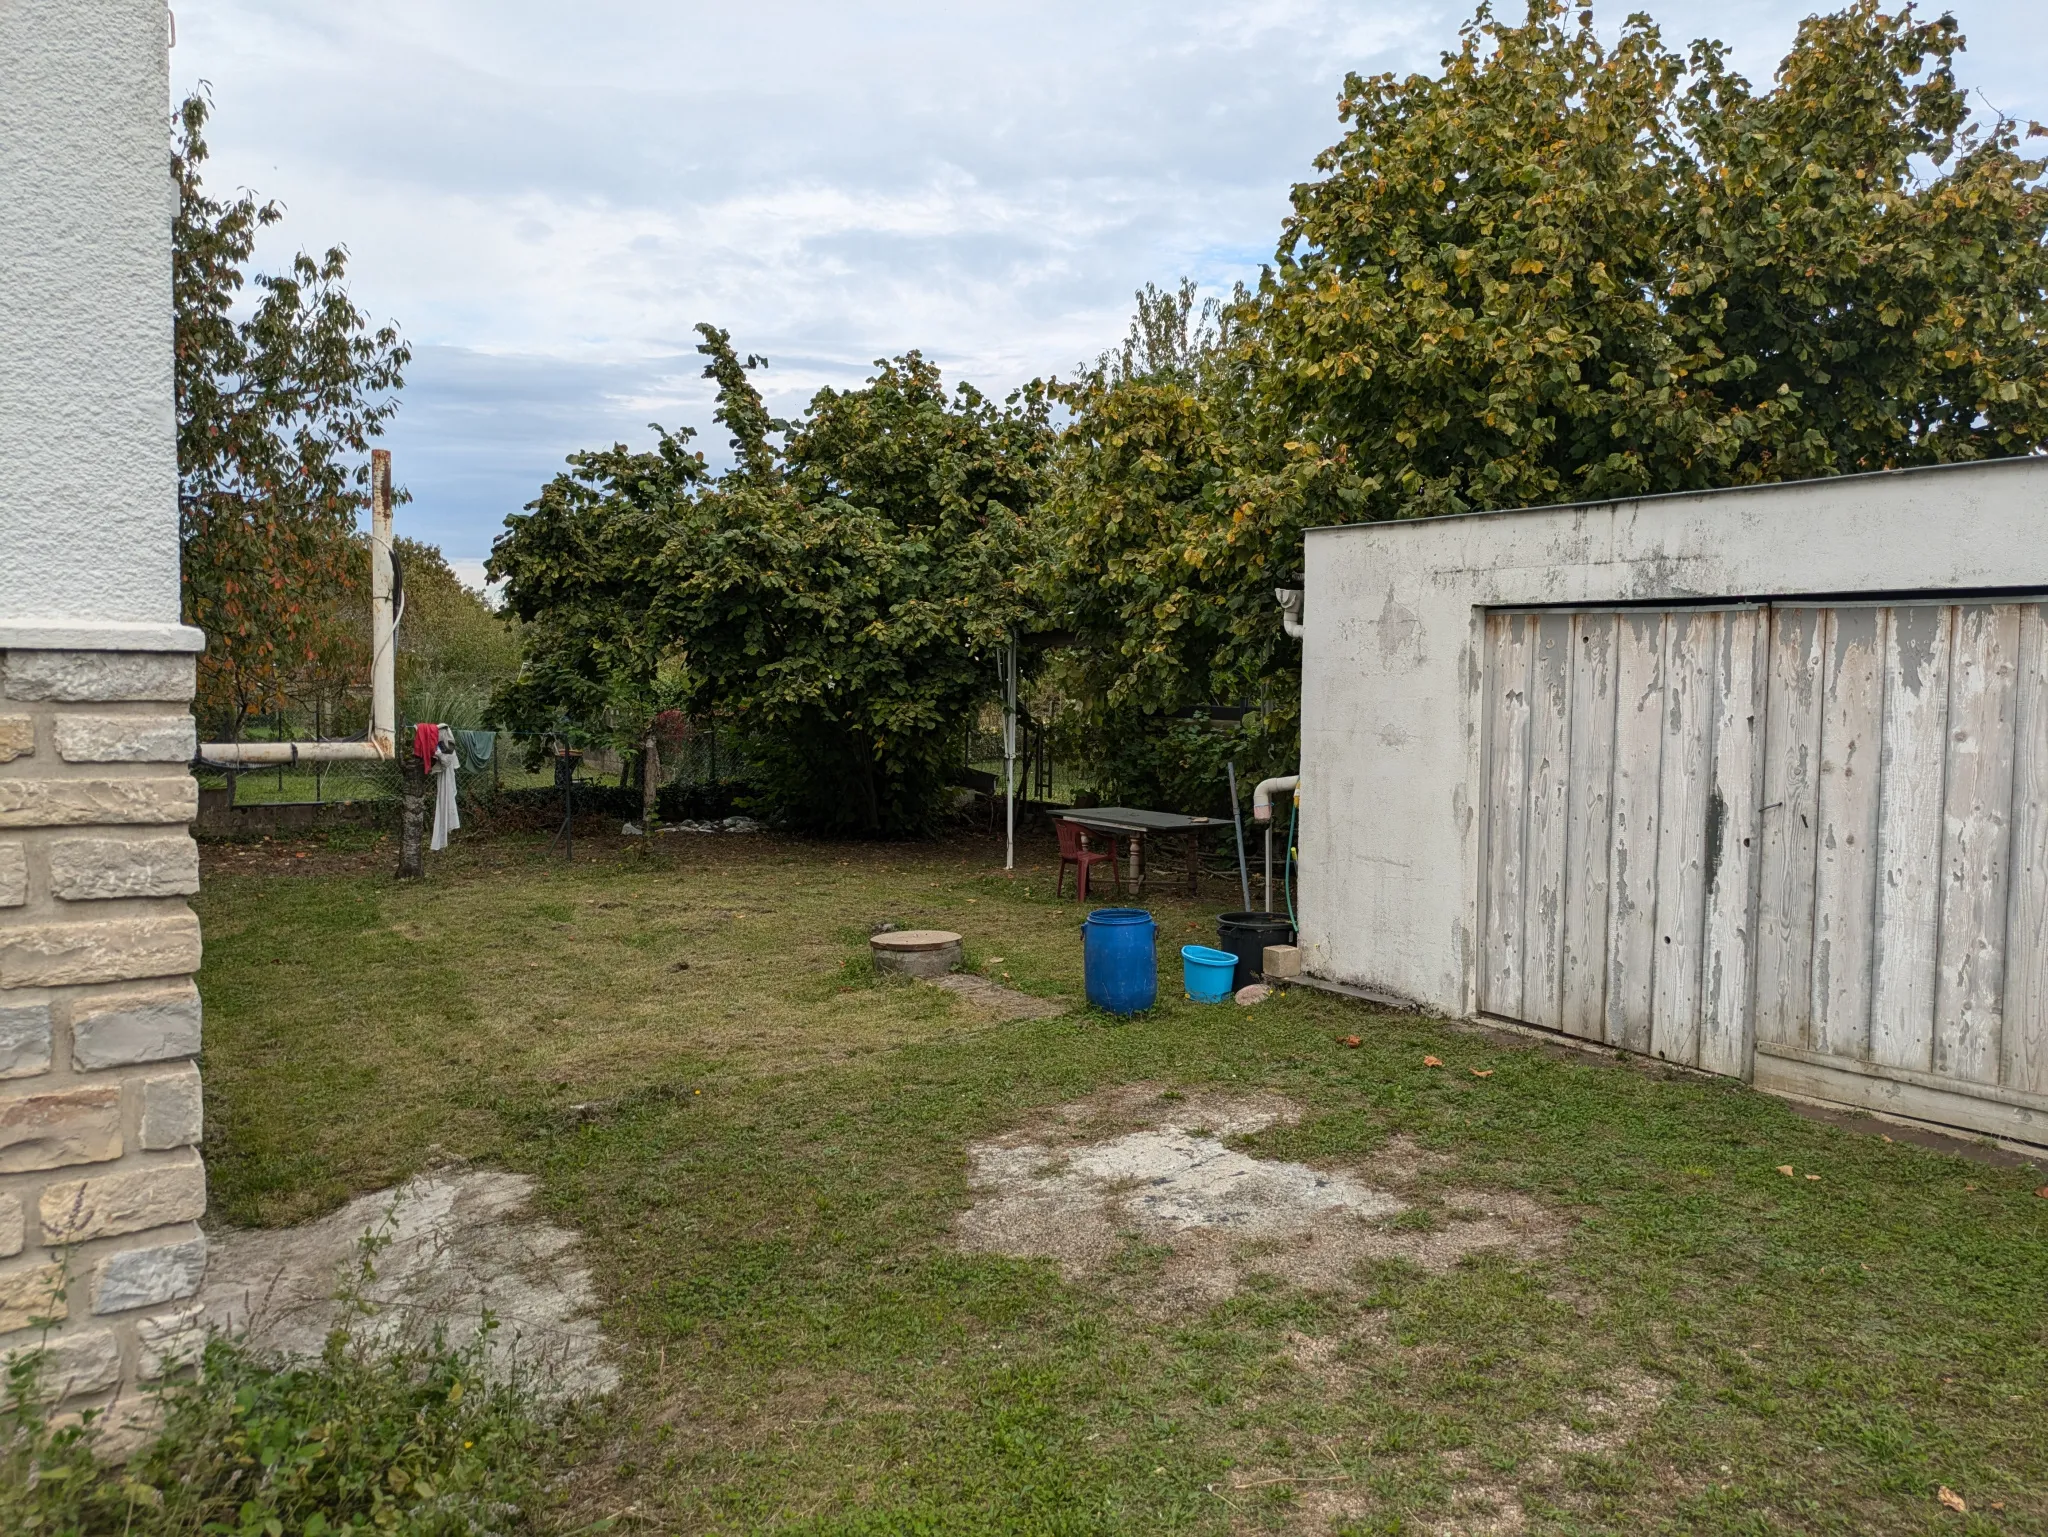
pixel 477 746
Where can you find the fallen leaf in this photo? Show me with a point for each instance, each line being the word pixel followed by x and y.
pixel 1951 1499
pixel 1998 1504
pixel 994 960
pixel 1352 1040
pixel 1968 1186
pixel 1482 1072
pixel 1785 1169
pixel 1813 1176
pixel 2042 1192
pixel 1881 1134
pixel 1432 1061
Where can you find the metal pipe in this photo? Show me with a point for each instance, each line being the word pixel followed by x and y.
pixel 1010 757
pixel 1244 880
pixel 1268 896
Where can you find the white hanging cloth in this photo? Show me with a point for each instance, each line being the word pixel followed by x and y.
pixel 446 818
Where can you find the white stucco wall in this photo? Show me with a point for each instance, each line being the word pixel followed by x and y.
pixel 88 459
pixel 1390 726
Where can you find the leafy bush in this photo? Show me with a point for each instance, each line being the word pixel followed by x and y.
pixel 404 1440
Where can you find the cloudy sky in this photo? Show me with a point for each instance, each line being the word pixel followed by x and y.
pixel 547 197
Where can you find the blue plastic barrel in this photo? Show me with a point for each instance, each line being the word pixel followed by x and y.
pixel 1118 961
pixel 1206 973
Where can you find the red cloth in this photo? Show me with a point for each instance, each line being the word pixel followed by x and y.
pixel 425 738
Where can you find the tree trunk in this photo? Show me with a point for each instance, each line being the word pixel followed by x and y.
pixel 412 817
pixel 650 782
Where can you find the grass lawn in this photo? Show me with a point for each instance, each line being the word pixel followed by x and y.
pixel 769 1190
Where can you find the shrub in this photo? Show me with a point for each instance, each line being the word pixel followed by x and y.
pixel 404 1440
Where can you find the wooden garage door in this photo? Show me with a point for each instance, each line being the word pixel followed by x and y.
pixel 1902 919
pixel 1620 826
pixel 1816 831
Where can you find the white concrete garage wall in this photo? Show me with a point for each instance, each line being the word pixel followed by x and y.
pixel 1391 721
pixel 88 454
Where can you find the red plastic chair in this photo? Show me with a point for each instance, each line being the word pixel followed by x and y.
pixel 1075 851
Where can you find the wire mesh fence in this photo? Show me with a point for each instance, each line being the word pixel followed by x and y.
pixel 701 768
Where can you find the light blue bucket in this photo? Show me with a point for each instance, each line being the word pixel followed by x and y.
pixel 1206 973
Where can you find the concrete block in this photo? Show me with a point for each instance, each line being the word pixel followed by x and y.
pixel 92 869
pixel 73 1364
pixel 140 1278
pixel 89 802
pixel 29 1293
pixel 17 737
pixel 99 677
pixel 132 1201
pixel 59 1128
pixel 116 1029
pixel 171 1112
pixel 126 738
pixel 169 1342
pixel 24 1039
pixel 13 1225
pixel 1281 962
pixel 109 950
pixel 13 875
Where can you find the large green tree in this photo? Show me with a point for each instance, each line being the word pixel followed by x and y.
pixel 1558 271
pixel 277 404
pixel 837 597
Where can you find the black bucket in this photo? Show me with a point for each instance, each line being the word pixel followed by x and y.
pixel 1246 935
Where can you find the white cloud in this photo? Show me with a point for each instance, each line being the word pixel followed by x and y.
pixel 547 198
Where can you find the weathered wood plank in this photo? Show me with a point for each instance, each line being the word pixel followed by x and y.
pixel 1784 968
pixel 1845 842
pixel 1976 842
pixel 1550 726
pixel 1632 866
pixel 1684 801
pixel 1507 811
pixel 1584 957
pixel 1726 1012
pixel 1862 1086
pixel 2025 1042
pixel 1909 827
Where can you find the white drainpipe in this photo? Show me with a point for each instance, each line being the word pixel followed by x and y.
pixel 1262 812
pixel 1290 609
pixel 385 607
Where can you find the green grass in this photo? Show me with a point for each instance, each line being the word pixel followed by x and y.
pixel 767 1202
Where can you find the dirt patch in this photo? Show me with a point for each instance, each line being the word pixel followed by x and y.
pixel 996 1000
pixel 446 1247
pixel 1142 1184
pixel 1485 1502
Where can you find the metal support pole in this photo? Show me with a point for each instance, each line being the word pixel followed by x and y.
pixel 1244 880
pixel 1269 867
pixel 383 617
pixel 1010 755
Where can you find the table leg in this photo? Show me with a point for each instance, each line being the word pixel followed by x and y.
pixel 1137 843
pixel 1194 864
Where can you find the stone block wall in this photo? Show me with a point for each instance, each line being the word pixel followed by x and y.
pixel 101 1183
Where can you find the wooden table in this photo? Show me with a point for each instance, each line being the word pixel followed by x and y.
pixel 1134 824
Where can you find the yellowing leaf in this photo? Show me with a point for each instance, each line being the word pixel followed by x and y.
pixel 1951 1499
